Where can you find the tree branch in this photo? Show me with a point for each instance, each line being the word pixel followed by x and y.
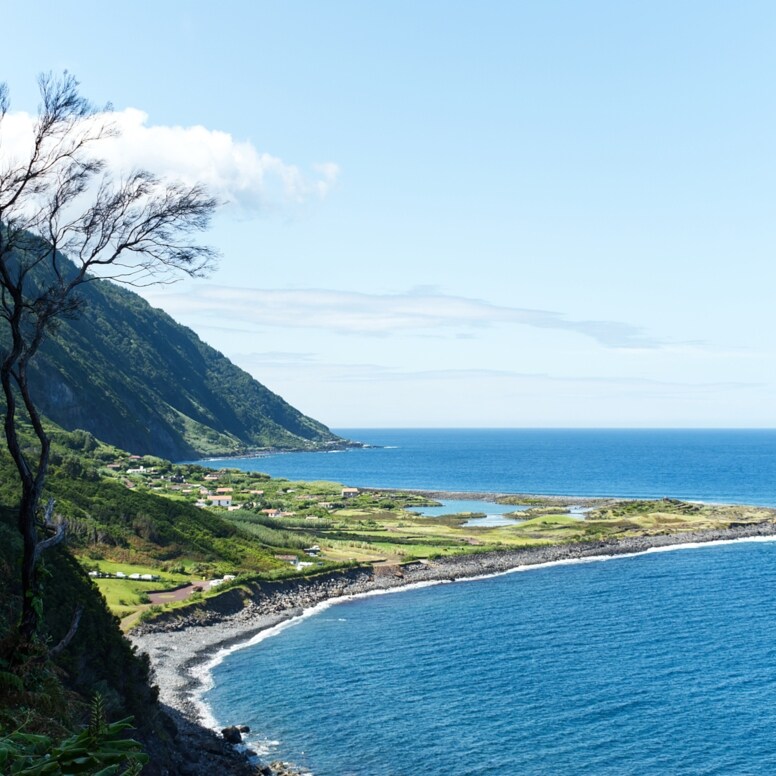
pixel 75 622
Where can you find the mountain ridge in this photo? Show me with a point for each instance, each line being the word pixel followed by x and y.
pixel 135 378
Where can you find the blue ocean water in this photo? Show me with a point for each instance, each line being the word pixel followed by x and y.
pixel 657 664
pixel 737 466
pixel 663 663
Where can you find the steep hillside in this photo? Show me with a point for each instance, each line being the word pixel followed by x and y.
pixel 135 378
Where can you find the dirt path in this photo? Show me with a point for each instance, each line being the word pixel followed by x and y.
pixel 179 594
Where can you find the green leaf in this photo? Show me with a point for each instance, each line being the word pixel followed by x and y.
pixel 109 771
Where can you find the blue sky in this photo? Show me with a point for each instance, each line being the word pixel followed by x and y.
pixel 459 214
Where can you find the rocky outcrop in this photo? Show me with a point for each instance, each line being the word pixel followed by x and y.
pixel 232 735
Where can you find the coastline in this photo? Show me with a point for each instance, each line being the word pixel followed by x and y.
pixel 184 644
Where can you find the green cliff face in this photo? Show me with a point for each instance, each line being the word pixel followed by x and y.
pixel 135 378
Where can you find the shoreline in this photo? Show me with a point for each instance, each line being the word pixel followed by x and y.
pixel 185 644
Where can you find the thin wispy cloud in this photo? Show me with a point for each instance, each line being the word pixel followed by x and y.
pixel 234 171
pixel 308 364
pixel 419 312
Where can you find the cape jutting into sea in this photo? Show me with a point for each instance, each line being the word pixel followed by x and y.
pixel 651 664
pixel 735 466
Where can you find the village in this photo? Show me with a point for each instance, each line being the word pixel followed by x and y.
pixel 231 489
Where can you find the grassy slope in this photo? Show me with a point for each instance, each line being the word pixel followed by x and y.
pixel 55 695
pixel 134 377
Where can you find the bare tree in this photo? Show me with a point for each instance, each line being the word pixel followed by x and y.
pixel 64 219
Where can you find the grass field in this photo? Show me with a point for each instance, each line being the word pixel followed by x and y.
pixel 128 596
pixel 381 528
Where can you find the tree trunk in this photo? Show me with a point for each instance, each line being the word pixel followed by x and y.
pixel 28 623
pixel 31 485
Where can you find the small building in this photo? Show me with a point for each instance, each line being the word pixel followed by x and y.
pixel 292 559
pixel 350 492
pixel 220 501
pixel 223 490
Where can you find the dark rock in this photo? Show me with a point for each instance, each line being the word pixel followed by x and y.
pixel 232 735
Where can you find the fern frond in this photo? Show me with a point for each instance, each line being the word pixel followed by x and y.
pixel 10 682
pixel 97 718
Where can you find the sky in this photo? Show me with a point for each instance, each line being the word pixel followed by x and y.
pixel 449 214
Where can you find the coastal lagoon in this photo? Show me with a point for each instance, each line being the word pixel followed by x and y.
pixel 659 663
pixel 486 514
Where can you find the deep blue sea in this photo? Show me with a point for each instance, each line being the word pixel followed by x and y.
pixel 737 466
pixel 662 663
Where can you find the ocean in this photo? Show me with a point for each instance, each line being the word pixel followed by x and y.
pixel 735 466
pixel 652 664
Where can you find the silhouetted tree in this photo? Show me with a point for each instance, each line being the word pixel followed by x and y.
pixel 59 200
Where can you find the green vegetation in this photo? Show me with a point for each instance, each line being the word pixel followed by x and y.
pixel 174 395
pixel 98 749
pixel 46 703
pixel 144 515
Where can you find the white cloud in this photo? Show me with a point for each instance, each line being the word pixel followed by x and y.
pixel 348 394
pixel 312 367
pixel 418 312
pixel 234 171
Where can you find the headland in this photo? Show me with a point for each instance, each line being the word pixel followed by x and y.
pixel 184 643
